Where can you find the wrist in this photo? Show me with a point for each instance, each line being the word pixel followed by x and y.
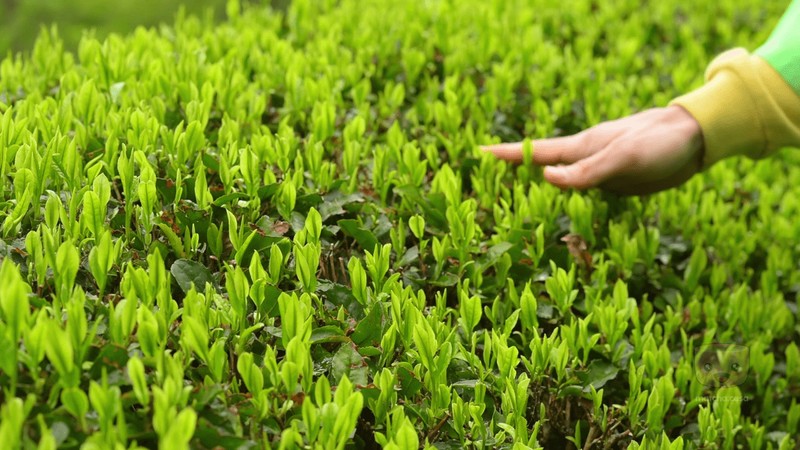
pixel 686 124
pixel 725 110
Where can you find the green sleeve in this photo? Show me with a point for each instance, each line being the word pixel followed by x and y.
pixel 782 49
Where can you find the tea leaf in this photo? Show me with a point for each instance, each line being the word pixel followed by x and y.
pixel 190 273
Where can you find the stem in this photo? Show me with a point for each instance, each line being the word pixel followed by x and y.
pixel 435 430
pixel 590 437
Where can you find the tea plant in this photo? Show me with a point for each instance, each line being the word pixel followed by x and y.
pixel 279 232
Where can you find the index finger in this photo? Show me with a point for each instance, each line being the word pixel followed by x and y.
pixel 560 150
pixel 566 149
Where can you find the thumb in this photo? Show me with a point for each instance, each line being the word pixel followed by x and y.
pixel 586 173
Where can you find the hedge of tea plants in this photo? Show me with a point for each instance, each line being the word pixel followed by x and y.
pixel 279 232
pixel 20 19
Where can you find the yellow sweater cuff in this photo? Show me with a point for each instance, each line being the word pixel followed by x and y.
pixel 745 108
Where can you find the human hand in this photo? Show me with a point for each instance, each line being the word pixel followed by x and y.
pixel 640 154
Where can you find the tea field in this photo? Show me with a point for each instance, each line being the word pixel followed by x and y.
pixel 279 231
pixel 20 20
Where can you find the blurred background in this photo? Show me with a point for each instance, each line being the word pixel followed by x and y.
pixel 21 20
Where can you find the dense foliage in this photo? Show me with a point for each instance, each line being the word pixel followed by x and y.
pixel 279 232
pixel 20 20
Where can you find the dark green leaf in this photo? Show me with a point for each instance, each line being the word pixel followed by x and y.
pixel 333 204
pixel 447 279
pixel 226 199
pixel 327 333
pixel 410 256
pixel 433 205
pixel 210 437
pixel 348 362
pixel 340 295
pixel 364 237
pixel 305 202
pixel 369 351
pixel 410 384
pixel 598 374
pixel 270 305
pixel 187 273
pixel 493 254
pixel 369 330
pixel 266 192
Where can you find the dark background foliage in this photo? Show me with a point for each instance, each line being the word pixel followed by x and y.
pixel 21 20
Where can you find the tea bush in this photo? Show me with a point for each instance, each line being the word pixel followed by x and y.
pixel 20 19
pixel 279 232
